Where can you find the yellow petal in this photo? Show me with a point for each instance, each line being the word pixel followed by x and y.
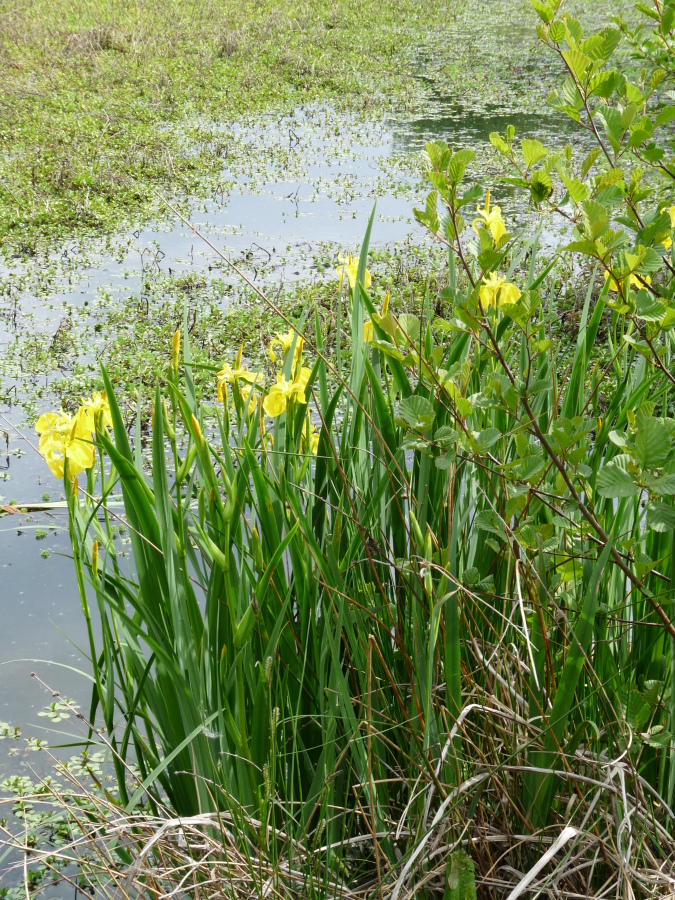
pixel 56 461
pixel 487 296
pixel 175 349
pixel 508 294
pixel 612 283
pixel 81 456
pixel 496 225
pixel 274 403
pixel 302 377
pixel 46 422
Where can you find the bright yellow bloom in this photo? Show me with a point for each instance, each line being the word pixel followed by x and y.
pixel 229 375
pixel 667 242
pixel 314 436
pixel 284 392
pixel 368 334
pixel 497 291
pixel 96 404
pixel 62 437
pixel 491 219
pixel 285 341
pixel 249 402
pixel 634 281
pixel 350 268
pixel 508 295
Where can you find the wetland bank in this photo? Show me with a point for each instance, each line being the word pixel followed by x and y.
pixel 274 129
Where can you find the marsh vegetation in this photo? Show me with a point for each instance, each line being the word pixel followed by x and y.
pixel 393 615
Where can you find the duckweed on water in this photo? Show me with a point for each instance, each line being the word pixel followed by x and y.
pixel 103 102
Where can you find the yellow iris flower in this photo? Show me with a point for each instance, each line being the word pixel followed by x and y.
pixel 284 392
pixel 490 219
pixel 350 268
pixel 248 399
pixel 667 243
pixel 285 341
pixel 368 334
pixel 62 437
pixel 314 435
pixel 634 281
pixel 229 375
pixel 95 405
pixel 497 292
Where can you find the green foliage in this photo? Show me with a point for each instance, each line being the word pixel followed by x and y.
pixel 470 583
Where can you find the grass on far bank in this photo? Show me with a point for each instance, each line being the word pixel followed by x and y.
pixel 92 92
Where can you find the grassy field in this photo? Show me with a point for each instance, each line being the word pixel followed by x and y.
pixel 91 93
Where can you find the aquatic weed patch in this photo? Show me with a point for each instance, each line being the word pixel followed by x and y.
pixel 92 94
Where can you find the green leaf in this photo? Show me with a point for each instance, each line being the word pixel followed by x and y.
pixel 573 30
pixel 614 482
pixel 666 115
pixel 667 18
pixel 665 485
pixel 647 10
pixel 408 330
pixel 660 517
pixel 541 186
pixel 543 10
pixel 557 32
pixel 595 219
pixel 634 707
pixel 656 78
pixel 612 123
pixel 418 412
pixel 500 144
pixel 474 193
pixel 456 170
pixel 587 164
pixel 490 521
pixel 488 438
pixel 428 216
pixel 447 436
pixel 438 155
pixel 460 879
pixel 659 738
pixel 576 189
pixel 649 308
pixel 577 61
pixel 602 84
pixel 652 444
pixel 533 151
